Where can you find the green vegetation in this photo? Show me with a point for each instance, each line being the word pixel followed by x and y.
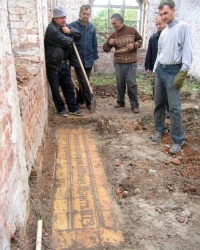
pixel 144 85
pixel 102 80
pixel 102 24
pixel 100 19
pixel 191 86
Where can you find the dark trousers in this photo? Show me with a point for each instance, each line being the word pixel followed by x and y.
pixel 125 74
pixel 84 95
pixel 63 79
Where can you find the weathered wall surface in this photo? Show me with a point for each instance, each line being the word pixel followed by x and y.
pixel 23 107
pixel 187 11
pixel 14 175
pixel 27 20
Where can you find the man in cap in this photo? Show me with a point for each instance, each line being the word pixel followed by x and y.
pixel 58 38
pixel 171 67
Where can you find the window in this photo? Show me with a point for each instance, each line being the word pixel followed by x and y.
pixel 102 10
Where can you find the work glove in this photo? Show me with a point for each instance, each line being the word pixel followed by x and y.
pixel 95 66
pixel 179 78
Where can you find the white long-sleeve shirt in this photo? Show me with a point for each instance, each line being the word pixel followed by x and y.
pixel 175 45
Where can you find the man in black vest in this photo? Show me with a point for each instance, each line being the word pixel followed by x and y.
pixel 152 52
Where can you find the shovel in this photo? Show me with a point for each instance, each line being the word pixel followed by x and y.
pixel 93 101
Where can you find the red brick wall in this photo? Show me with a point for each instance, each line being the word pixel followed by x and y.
pixel 23 108
pixel 33 95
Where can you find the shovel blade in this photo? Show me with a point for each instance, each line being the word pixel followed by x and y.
pixel 93 106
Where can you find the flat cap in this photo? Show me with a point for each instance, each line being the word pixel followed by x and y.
pixel 59 12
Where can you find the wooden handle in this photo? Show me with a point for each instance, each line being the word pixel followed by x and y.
pixel 79 59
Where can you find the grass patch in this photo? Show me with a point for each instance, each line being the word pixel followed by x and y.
pixel 103 80
pixel 144 85
pixel 191 86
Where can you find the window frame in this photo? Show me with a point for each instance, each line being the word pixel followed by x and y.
pixel 123 6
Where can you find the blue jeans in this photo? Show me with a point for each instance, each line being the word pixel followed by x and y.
pixel 126 75
pixel 164 89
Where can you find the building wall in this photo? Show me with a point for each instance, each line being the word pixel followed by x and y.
pixel 23 108
pixel 27 21
pixel 187 11
pixel 14 175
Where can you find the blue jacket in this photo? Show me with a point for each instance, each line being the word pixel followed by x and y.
pixel 86 46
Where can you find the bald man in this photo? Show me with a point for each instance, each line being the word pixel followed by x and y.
pixel 152 54
pixel 153 45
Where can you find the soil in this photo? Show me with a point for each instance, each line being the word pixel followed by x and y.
pixel 157 195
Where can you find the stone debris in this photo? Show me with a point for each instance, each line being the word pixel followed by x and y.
pixel 180 219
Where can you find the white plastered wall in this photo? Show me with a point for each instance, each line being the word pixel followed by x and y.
pixel 187 11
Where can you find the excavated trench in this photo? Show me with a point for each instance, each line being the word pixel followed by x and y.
pixel 105 185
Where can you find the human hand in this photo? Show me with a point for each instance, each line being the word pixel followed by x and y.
pixel 179 78
pixel 66 30
pixel 111 41
pixel 130 46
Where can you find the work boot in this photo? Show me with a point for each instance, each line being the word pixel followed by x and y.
pixel 77 113
pixel 135 110
pixel 158 135
pixel 63 113
pixel 119 105
pixel 176 147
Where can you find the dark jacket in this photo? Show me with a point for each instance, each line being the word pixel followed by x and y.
pixel 86 46
pixel 57 45
pixel 152 51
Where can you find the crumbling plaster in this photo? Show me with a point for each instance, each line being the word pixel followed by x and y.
pixel 14 187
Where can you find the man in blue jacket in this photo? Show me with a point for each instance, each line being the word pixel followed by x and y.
pixel 88 51
pixel 58 38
